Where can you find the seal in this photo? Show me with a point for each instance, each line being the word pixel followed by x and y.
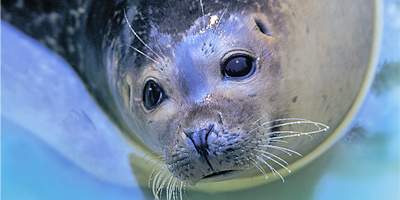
pixel 214 89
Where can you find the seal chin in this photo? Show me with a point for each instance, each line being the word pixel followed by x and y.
pixel 221 176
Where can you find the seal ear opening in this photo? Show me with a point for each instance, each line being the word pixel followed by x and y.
pixel 262 27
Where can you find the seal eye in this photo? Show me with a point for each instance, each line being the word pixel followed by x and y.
pixel 152 95
pixel 238 66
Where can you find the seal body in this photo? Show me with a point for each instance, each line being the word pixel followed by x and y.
pixel 217 88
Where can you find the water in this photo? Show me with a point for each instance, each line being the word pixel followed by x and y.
pixel 364 164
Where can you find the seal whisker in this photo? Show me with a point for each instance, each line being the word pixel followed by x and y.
pixel 245 121
pixel 152 172
pixel 155 179
pixel 144 54
pixel 169 187
pixel 292 134
pixel 202 11
pixel 273 170
pixel 220 19
pixel 173 188
pixel 153 152
pixel 160 51
pixel 248 160
pixel 275 161
pixel 154 168
pixel 262 117
pixel 157 164
pixel 261 169
pixel 299 121
pixel 150 159
pixel 283 149
pixel 137 36
pixel 273 155
pixel 184 189
pixel 257 120
pixel 180 189
pixel 160 185
pixel 176 188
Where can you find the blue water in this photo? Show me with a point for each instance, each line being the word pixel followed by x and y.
pixel 362 165
pixel 33 170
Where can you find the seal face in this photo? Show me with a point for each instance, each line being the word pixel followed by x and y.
pixel 207 96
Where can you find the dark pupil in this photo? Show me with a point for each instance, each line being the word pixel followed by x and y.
pixel 238 66
pixel 152 95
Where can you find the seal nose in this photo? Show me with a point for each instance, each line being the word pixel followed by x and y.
pixel 199 139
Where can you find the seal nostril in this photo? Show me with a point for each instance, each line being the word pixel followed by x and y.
pixel 200 138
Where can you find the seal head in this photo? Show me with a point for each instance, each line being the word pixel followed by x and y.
pixel 208 97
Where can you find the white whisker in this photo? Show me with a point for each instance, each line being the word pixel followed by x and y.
pixel 202 11
pixel 292 134
pixel 164 182
pixel 180 190
pixel 160 156
pixel 262 117
pixel 283 149
pixel 246 121
pixel 257 120
pixel 274 171
pixel 169 186
pixel 157 184
pixel 259 167
pixel 143 54
pixel 160 51
pixel 137 36
pixel 184 190
pixel 275 156
pixel 273 160
pixel 154 152
pixel 154 168
pixel 299 121
pixel 219 21
pixel 176 188
pixel 154 179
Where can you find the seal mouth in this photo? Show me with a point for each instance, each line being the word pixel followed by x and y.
pixel 222 175
pixel 218 174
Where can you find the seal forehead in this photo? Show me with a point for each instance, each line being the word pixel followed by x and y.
pixel 174 17
pixel 168 21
